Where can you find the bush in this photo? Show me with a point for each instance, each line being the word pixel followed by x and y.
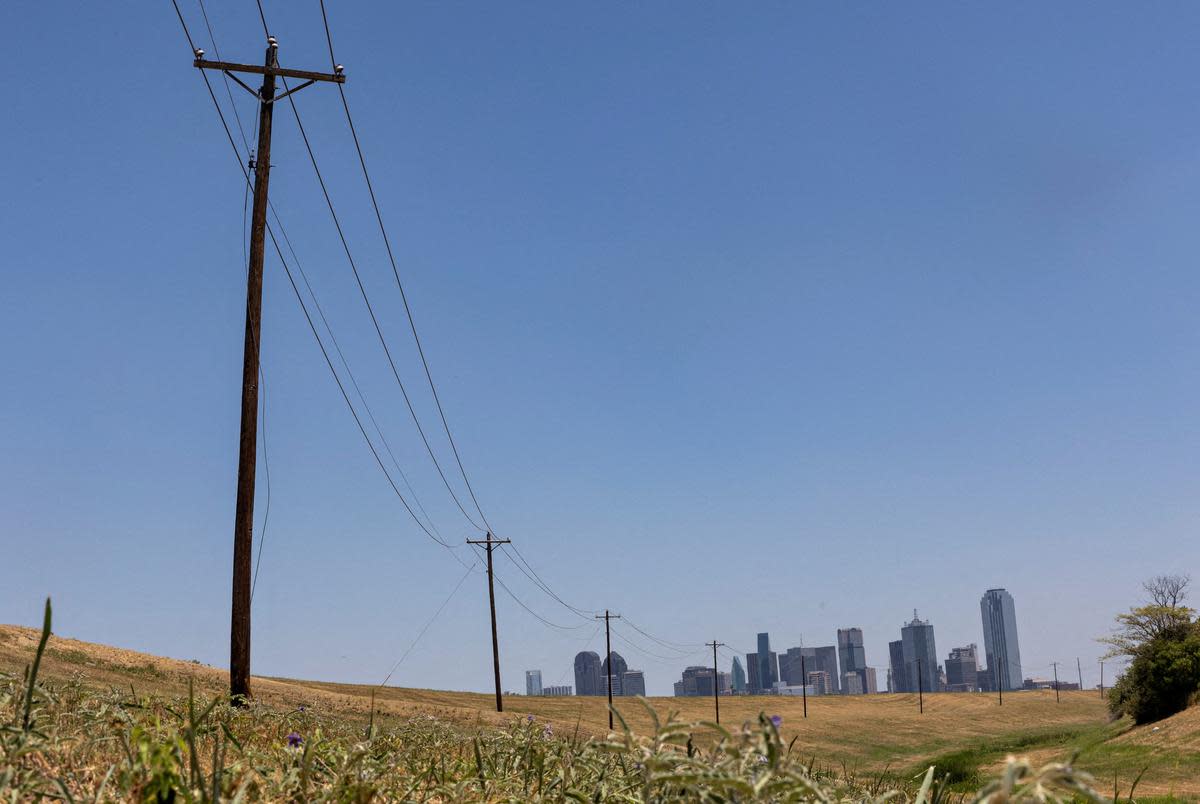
pixel 1163 678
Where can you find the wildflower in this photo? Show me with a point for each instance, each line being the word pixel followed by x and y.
pixel 294 740
pixel 529 718
pixel 547 731
pixel 302 708
pixel 776 721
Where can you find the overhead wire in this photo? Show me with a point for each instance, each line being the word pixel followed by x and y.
pixel 396 271
pixel 363 291
pixel 304 308
pixel 426 626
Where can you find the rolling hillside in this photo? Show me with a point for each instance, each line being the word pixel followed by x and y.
pixel 867 734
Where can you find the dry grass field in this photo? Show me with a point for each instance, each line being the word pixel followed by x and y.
pixel 861 734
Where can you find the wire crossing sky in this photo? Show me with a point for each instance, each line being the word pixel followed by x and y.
pixel 777 319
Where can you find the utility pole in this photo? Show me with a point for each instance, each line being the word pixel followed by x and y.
pixel 608 659
pixel 999 688
pixel 1101 678
pixel 491 543
pixel 1056 698
pixel 804 683
pixel 716 678
pixel 243 524
pixel 1079 669
pixel 920 687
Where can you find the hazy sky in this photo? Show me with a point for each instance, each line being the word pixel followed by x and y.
pixel 780 316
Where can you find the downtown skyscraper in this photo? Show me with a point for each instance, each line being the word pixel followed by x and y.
pixel 920 656
pixel 1001 649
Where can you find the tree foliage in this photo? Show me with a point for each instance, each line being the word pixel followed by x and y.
pixel 1163 639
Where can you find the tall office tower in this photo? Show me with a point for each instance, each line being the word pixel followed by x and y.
pixel 768 664
pixel 1000 648
pixel 752 684
pixel 962 669
pixel 737 675
pixel 587 674
pixel 618 669
pixel 896 661
pixel 852 657
pixel 633 682
pixel 920 655
pixel 870 681
pixel 533 682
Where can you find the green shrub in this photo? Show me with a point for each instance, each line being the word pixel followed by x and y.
pixel 1163 678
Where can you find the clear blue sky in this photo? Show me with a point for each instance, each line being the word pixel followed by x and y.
pixel 778 317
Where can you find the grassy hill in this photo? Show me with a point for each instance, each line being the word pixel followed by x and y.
pixel 858 736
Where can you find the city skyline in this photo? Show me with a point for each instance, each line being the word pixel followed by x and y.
pixel 910 663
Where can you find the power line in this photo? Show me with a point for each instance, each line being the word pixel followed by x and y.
pixel 396 273
pixel 304 307
pixel 370 308
pixel 428 623
pixel 320 311
pixel 538 582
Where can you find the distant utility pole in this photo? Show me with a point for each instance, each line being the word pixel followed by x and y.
pixel 608 658
pixel 1056 698
pixel 490 542
pixel 243 523
pixel 1101 678
pixel 1079 669
pixel 920 688
pixel 804 683
pixel 999 687
pixel 716 678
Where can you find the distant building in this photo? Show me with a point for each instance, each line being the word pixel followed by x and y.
pixel 794 671
pixel 633 682
pixel 1000 646
pixel 587 674
pixel 983 679
pixel 737 674
pixel 781 688
pixel 896 680
pixel 555 691
pixel 962 669
pixel 618 673
pixel 1048 684
pixel 698 681
pixel 818 681
pixel 852 656
pixel 768 664
pixel 852 683
pixel 533 682
pixel 870 681
pixel 920 655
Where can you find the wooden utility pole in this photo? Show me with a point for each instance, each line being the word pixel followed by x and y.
pixel 716 680
pixel 804 683
pixel 920 688
pixel 608 659
pixel 1056 698
pixel 1101 678
pixel 1079 669
pixel 243 523
pixel 490 542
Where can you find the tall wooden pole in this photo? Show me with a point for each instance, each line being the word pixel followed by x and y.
pixel 716 680
pixel 490 543
pixel 920 687
pixel 1056 697
pixel 608 658
pixel 243 523
pixel 243 519
pixel 804 684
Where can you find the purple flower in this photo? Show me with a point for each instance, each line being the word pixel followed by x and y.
pixel 776 721
pixel 529 718
pixel 295 740
pixel 547 731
